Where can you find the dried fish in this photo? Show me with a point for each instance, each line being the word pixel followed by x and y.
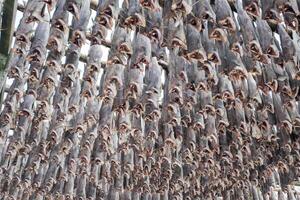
pixel 224 16
pixel 132 14
pixel 196 100
pixel 79 25
pixel 74 7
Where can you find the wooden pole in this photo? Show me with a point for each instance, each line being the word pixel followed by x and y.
pixel 8 22
pixel 7 30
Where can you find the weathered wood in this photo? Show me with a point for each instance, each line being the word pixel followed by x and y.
pixel 7 28
pixel 1 10
pixel 8 11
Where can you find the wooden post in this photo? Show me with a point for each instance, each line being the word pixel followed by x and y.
pixel 7 30
pixel 8 25
pixel 1 9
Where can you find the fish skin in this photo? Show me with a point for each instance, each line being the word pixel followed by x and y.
pixel 224 16
pixel 132 13
pixel 270 11
pixel 58 37
pixel 203 10
pixel 38 12
pixel 252 7
pixel 249 36
pixel 74 7
pixel 194 44
pixel 288 48
pixel 121 48
pixel 266 38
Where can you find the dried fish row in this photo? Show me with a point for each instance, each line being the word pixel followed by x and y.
pixel 17 68
pixel 24 114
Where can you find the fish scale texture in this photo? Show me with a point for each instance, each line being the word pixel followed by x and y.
pixel 202 103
